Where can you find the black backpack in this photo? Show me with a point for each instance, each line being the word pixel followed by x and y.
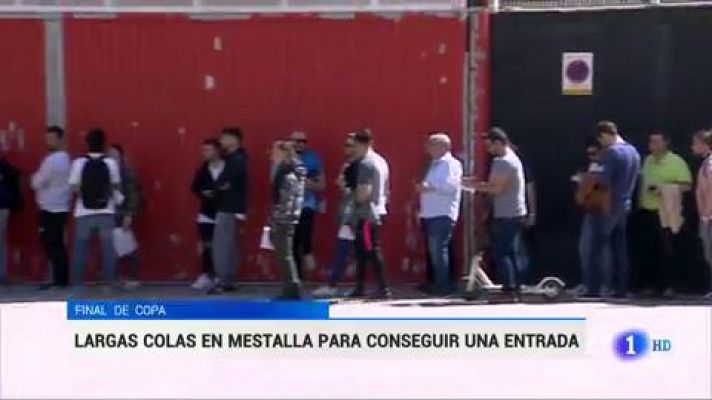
pixel 95 187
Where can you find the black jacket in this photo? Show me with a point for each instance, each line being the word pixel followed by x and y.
pixel 203 181
pixel 10 194
pixel 232 184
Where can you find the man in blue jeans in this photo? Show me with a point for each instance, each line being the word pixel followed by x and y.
pixel 95 178
pixel 620 170
pixel 589 195
pixel 440 194
pixel 506 186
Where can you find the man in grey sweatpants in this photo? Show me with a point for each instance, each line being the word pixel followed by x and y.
pixel 231 205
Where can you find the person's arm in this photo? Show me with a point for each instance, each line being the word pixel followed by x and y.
pixel 446 179
pixel 43 177
pixel 531 203
pixel 684 178
pixel 316 181
pixel 75 175
pixel 705 194
pixel 500 176
pixel 605 178
pixel 133 193
pixel 114 174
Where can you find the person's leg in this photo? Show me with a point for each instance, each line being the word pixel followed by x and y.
pixel 705 232
pixel 619 275
pixel 429 270
pixel 362 258
pixel 83 228
pixel 106 225
pixel 439 233
pixel 344 248
pixel 205 233
pixel 584 248
pixel 58 250
pixel 300 234
pixel 4 216
pixel 603 255
pixel 503 235
pixel 373 245
pixel 521 256
pixel 451 259
pixel 668 282
pixel 517 232
pixel 649 243
pixel 223 242
pixel 282 236
pixel 234 251
pixel 307 240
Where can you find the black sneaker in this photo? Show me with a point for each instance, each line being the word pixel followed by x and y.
pixel 289 297
pixel 356 294
pixel 385 294
pixel 51 286
pixel 221 289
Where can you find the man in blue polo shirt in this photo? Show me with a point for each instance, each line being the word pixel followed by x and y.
pixel 621 167
pixel 315 183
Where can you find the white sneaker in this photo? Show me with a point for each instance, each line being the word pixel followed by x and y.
pixel 132 285
pixel 203 283
pixel 325 291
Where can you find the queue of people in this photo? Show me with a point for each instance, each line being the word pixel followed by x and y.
pixel 605 194
pixel 108 198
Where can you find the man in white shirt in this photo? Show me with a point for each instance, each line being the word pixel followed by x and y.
pixel 95 178
pixel 52 193
pixel 385 182
pixel 440 194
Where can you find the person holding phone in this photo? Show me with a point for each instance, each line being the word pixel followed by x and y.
pixel 660 248
pixel 506 186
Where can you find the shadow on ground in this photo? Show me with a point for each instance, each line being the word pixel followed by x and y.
pixel 404 296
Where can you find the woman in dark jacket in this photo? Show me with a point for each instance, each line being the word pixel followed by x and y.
pixel 287 196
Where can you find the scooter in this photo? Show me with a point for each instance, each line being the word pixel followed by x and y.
pixel 479 284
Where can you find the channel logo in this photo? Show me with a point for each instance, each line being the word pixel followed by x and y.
pixel 635 344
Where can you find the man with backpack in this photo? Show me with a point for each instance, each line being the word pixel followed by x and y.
pixel 95 178
pixel 10 200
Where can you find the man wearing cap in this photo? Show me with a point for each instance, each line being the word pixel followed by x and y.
pixel 507 188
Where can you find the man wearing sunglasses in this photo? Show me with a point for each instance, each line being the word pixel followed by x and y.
pixel 315 183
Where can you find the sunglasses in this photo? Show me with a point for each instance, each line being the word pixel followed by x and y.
pixel 300 141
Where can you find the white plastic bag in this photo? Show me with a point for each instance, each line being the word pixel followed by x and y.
pixel 346 233
pixel 124 242
pixel 265 240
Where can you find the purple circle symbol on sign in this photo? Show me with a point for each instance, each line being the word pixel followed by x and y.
pixel 577 71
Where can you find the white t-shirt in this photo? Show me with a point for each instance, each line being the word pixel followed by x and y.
pixel 384 189
pixel 51 184
pixel 75 178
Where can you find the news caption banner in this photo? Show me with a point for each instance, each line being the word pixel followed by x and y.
pixel 309 328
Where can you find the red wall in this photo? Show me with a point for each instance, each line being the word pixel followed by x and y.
pixel 142 78
pixel 22 116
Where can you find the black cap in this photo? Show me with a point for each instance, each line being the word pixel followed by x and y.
pixel 496 134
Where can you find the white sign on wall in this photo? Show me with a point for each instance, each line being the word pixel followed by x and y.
pixel 577 74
